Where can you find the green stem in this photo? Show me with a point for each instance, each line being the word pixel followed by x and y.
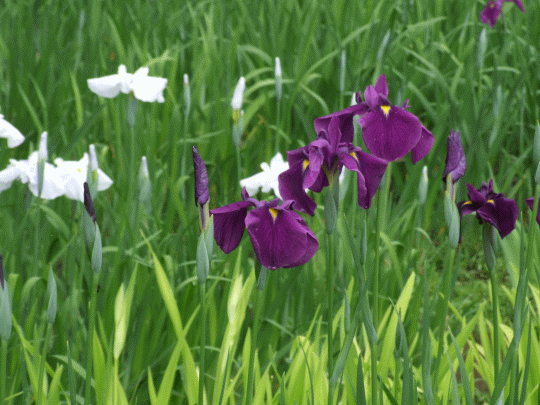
pixel 40 399
pixel 202 291
pixel 278 109
pixel 3 370
pixel 495 309
pixel 258 300
pixel 330 269
pixel 89 339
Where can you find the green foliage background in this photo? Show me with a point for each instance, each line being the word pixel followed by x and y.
pixel 431 53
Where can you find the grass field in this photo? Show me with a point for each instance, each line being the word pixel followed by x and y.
pixel 386 312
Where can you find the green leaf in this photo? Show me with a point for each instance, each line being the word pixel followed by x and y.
pixel 51 294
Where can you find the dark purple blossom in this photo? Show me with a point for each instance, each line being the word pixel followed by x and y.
pixel 280 237
pixel 201 179
pixel 389 131
pixel 311 166
pixel 455 157
pixel 530 203
pixel 491 12
pixel 491 207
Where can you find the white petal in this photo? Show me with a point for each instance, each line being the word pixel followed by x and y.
pixel 148 88
pixel 107 86
pixel 238 95
pixel 8 176
pixel 12 134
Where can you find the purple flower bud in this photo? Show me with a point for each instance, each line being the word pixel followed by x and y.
pixel 201 179
pixel 88 204
pixel 455 157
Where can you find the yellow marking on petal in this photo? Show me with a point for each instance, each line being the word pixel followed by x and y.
pixel 273 212
pixel 386 109
pixel 306 164
pixel 467 202
pixel 491 202
pixel 353 154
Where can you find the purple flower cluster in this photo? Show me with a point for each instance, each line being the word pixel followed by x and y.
pixel 279 235
pixel 389 132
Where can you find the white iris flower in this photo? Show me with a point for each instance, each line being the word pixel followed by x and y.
pixel 267 179
pixel 144 87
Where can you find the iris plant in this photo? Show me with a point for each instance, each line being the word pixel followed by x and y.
pixel 280 237
pixel 144 87
pixel 490 207
pixel 312 166
pixel 491 12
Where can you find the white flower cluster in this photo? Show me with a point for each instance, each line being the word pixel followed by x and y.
pixel 65 177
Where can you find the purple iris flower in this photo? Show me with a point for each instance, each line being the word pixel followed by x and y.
pixel 389 131
pixel 310 166
pixel 491 12
pixel 280 237
pixel 455 158
pixel 530 203
pixel 491 207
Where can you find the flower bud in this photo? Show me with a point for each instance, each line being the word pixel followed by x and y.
pixel 238 94
pixel 423 186
pixel 5 306
pixel 279 80
pixel 145 186
pixel 342 72
pixel 187 95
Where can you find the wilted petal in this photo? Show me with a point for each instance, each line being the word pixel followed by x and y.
pixel 391 135
pixel 229 224
pixel 455 157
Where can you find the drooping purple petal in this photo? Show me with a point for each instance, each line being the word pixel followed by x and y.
pixel 423 146
pixel 455 157
pixel 229 224
pixel 291 188
pixel 500 212
pixel 491 12
pixel 370 170
pixel 517 3
pixel 201 179
pixel 491 207
pixel 391 135
pixel 280 237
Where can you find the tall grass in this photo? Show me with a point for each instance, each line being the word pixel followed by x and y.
pixel 431 53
